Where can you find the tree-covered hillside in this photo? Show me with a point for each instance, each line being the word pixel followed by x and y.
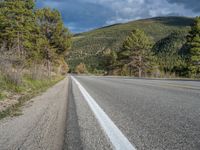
pixel 33 45
pixel 87 46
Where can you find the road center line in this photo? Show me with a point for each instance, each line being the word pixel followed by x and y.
pixel 116 137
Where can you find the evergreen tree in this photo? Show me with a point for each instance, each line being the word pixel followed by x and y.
pixel 109 58
pixel 136 52
pixel 193 42
pixel 56 38
pixel 30 37
pixel 52 27
pixel 170 53
pixel 18 25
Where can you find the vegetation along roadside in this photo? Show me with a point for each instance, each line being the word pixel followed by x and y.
pixel 33 45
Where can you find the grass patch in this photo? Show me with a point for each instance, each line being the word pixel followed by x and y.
pixel 2 96
pixel 29 89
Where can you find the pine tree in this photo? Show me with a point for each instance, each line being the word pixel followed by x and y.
pixel 56 37
pixel 136 52
pixel 51 25
pixel 18 26
pixel 170 52
pixel 193 42
pixel 109 58
pixel 32 37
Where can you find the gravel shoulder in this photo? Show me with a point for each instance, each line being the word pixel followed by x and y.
pixel 41 125
pixel 83 130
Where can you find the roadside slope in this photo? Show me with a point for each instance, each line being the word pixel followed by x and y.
pixel 42 124
pixel 87 46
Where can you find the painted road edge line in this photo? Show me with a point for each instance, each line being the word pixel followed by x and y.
pixel 116 137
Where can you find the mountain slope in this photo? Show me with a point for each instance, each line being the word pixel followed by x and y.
pixel 87 45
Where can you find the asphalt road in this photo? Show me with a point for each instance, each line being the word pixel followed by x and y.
pixel 152 114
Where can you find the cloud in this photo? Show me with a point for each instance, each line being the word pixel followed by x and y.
pixel 193 5
pixel 134 9
pixel 79 15
pixel 82 15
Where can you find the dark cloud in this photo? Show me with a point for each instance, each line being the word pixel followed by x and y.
pixel 82 15
pixel 86 15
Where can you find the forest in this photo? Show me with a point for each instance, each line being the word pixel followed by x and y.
pixel 157 47
pixel 33 45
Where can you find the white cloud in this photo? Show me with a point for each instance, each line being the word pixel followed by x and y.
pixel 81 15
pixel 126 10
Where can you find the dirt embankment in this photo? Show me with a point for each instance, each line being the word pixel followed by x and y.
pixel 42 123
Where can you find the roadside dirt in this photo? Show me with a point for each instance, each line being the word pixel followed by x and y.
pixel 41 125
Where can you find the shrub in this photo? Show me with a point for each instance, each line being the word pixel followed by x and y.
pixel 81 68
pixel 11 74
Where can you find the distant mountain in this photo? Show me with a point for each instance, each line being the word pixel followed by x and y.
pixel 87 45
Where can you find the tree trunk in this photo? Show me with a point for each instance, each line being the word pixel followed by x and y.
pixel 130 71
pixel 18 44
pixel 139 68
pixel 140 72
pixel 49 68
pixel 48 63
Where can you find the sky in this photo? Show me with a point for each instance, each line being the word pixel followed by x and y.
pixel 84 15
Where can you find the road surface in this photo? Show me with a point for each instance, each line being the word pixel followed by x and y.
pixel 104 113
pixel 151 114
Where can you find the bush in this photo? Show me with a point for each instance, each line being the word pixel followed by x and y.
pixel 81 68
pixel 11 75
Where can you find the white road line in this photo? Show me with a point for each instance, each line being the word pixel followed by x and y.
pixel 118 140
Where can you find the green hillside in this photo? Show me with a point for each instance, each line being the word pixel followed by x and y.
pixel 88 45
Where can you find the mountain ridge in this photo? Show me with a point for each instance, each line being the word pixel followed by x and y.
pixel 87 45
